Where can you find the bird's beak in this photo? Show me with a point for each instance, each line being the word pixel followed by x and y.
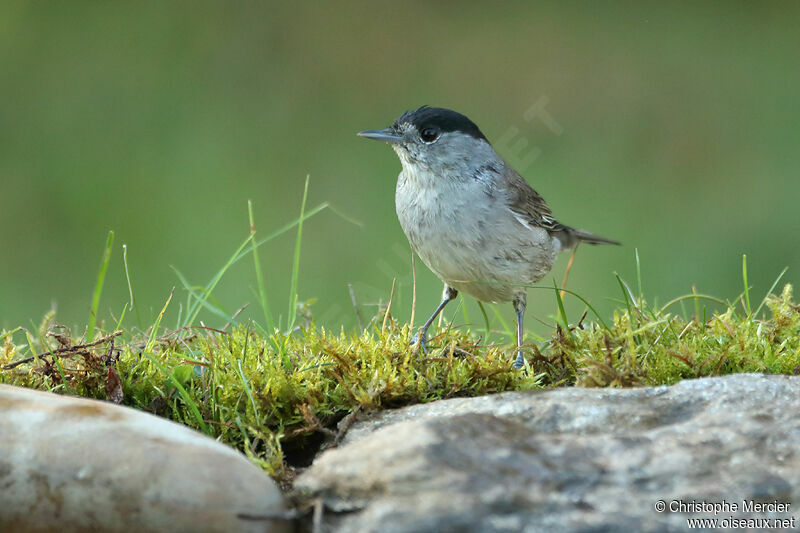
pixel 386 135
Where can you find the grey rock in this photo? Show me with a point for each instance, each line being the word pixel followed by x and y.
pixel 569 460
pixel 77 465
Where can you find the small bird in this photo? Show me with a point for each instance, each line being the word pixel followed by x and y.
pixel 471 218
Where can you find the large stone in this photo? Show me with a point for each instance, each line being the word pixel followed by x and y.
pixel 570 460
pixel 77 465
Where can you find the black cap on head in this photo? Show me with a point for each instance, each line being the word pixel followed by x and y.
pixel 442 119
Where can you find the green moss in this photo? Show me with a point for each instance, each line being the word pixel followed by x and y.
pixel 658 348
pixel 267 396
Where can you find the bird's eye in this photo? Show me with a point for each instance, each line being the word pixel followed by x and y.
pixel 429 135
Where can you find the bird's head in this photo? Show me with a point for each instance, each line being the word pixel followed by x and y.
pixel 439 141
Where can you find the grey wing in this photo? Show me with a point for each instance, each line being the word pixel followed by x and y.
pixel 529 204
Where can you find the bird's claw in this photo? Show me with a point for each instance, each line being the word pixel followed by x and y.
pixel 519 362
pixel 421 341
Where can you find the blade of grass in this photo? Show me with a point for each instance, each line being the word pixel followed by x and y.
pixel 772 288
pixel 630 299
pixel 283 229
pixel 273 235
pixel 197 304
pixel 130 286
pixel 247 391
pixel 193 308
pixel 696 304
pixel 690 296
pixel 121 316
pixel 127 274
pixel 625 296
pixel 262 292
pixel 486 322
pixel 31 346
pixel 180 314
pixel 503 323
pixel 245 383
pixel 562 312
pixel 579 297
pixel 463 307
pixel 151 341
pixel 296 263
pixel 413 292
pixel 98 286
pixel 7 333
pixel 60 367
pixel 201 296
pixel 639 275
pixel 746 287
pixel 148 349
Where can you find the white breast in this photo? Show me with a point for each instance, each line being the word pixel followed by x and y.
pixel 469 238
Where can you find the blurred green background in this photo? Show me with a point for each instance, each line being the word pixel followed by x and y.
pixel 679 127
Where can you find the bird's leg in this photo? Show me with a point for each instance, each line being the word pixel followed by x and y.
pixel 519 307
pixel 421 337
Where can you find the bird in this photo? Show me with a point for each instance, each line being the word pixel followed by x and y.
pixel 471 218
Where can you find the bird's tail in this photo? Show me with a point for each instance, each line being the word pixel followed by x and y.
pixel 571 237
pixel 584 236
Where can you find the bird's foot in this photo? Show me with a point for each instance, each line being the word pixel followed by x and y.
pixel 420 340
pixel 519 362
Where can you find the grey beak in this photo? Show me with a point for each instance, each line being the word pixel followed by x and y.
pixel 386 135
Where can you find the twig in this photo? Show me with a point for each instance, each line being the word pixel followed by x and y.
pixel 78 348
pixel 170 336
pixel 313 423
pixel 109 357
pixel 688 325
pixel 345 425
pixel 233 317
pixel 205 328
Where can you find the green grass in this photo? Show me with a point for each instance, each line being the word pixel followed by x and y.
pixel 274 392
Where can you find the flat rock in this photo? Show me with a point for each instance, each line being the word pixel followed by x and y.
pixel 78 465
pixel 571 460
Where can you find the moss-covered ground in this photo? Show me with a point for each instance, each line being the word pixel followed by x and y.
pixel 276 397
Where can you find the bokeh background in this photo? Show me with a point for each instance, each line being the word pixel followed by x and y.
pixel 674 128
